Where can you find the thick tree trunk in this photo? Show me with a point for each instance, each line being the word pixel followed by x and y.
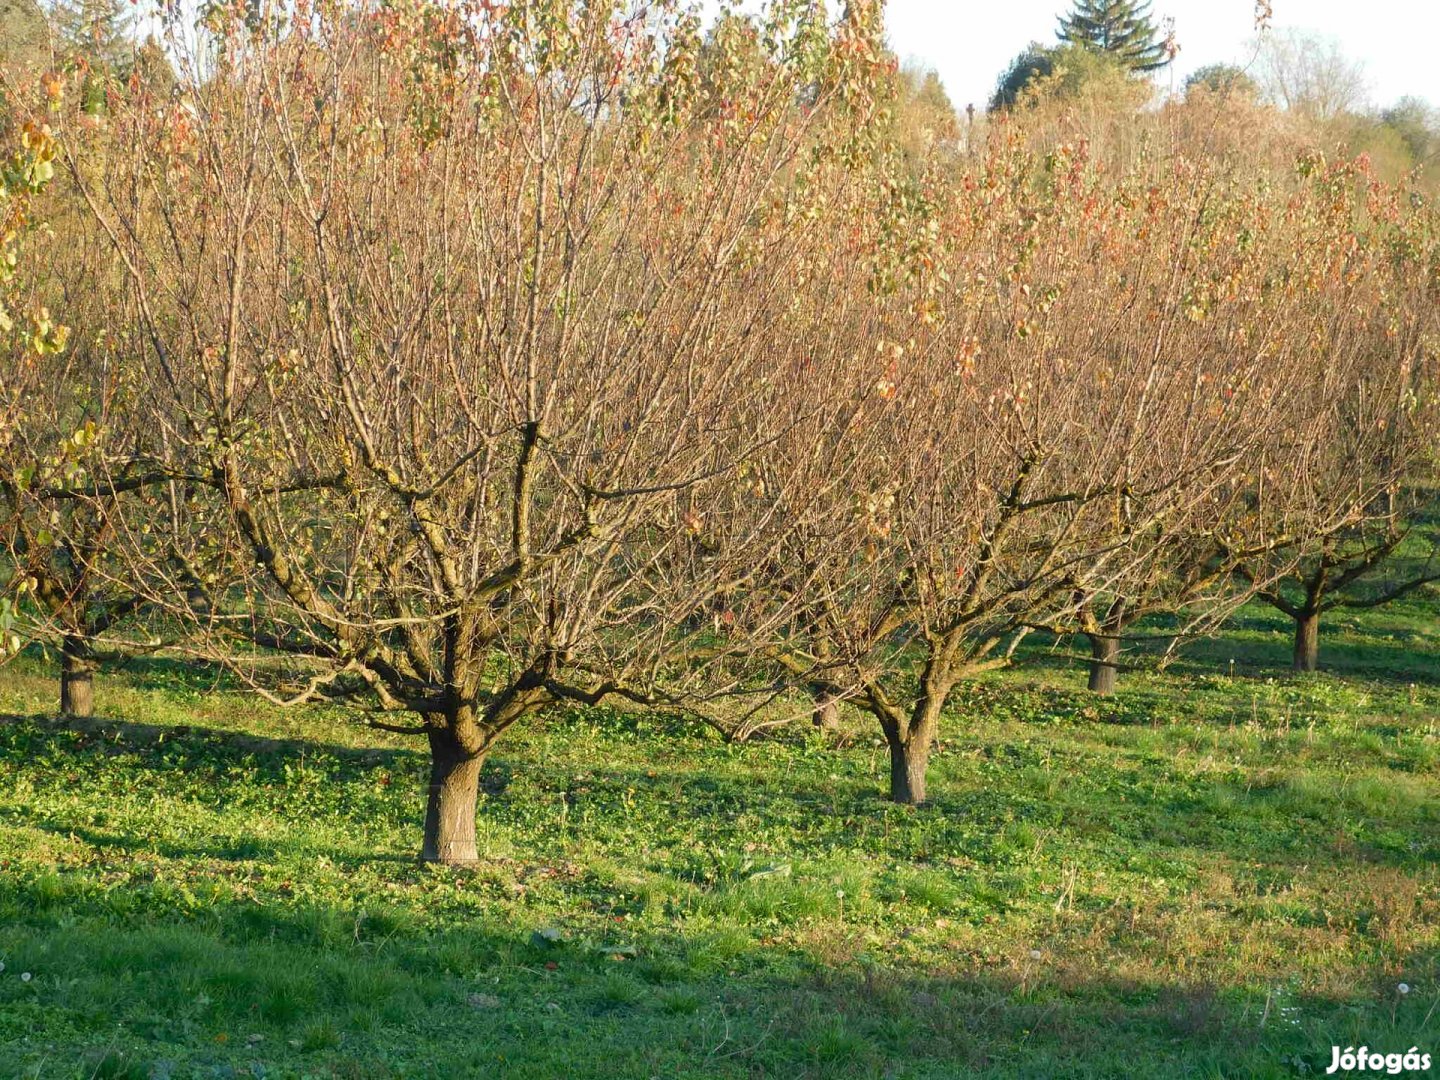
pixel 77 680
pixel 907 771
pixel 826 716
pixel 1307 641
pixel 1104 651
pixel 450 809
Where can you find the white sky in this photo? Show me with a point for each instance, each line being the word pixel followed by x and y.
pixel 969 42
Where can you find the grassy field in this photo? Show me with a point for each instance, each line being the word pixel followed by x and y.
pixel 1221 872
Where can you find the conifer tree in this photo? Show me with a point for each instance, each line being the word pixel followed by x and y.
pixel 99 30
pixel 98 36
pixel 95 36
pixel 1120 28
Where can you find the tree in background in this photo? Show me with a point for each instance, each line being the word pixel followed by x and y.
pixel 1310 75
pixel 1363 566
pixel 1189 576
pixel 1121 29
pixel 1033 62
pixel 1227 79
pixel 62 508
pixel 1417 123
pixel 1374 482
pixel 1371 387
pixel 28 331
pixel 924 116
pixel 1075 375
pixel 97 38
pixel 102 30
pixel 1384 550
pixel 1070 75
pixel 60 499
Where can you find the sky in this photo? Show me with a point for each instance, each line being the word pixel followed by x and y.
pixel 969 42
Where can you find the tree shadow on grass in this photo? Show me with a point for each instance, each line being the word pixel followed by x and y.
pixel 109 843
pixel 1257 644
pixel 985 800
pixel 169 674
pixel 426 974
pixel 240 849
pixel 187 746
pixel 1395 661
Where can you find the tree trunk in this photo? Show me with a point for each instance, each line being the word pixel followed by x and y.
pixel 826 716
pixel 1307 641
pixel 77 680
pixel 907 770
pixel 1103 653
pixel 450 808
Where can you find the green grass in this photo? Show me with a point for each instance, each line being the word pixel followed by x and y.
pixel 1221 872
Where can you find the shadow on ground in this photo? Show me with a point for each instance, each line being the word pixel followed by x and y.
pixel 244 989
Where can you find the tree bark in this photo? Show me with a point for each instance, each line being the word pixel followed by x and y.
pixel 1103 653
pixel 908 762
pixel 826 716
pixel 77 680
pixel 450 808
pixel 1307 641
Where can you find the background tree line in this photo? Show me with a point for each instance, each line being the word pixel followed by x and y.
pixel 1293 87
